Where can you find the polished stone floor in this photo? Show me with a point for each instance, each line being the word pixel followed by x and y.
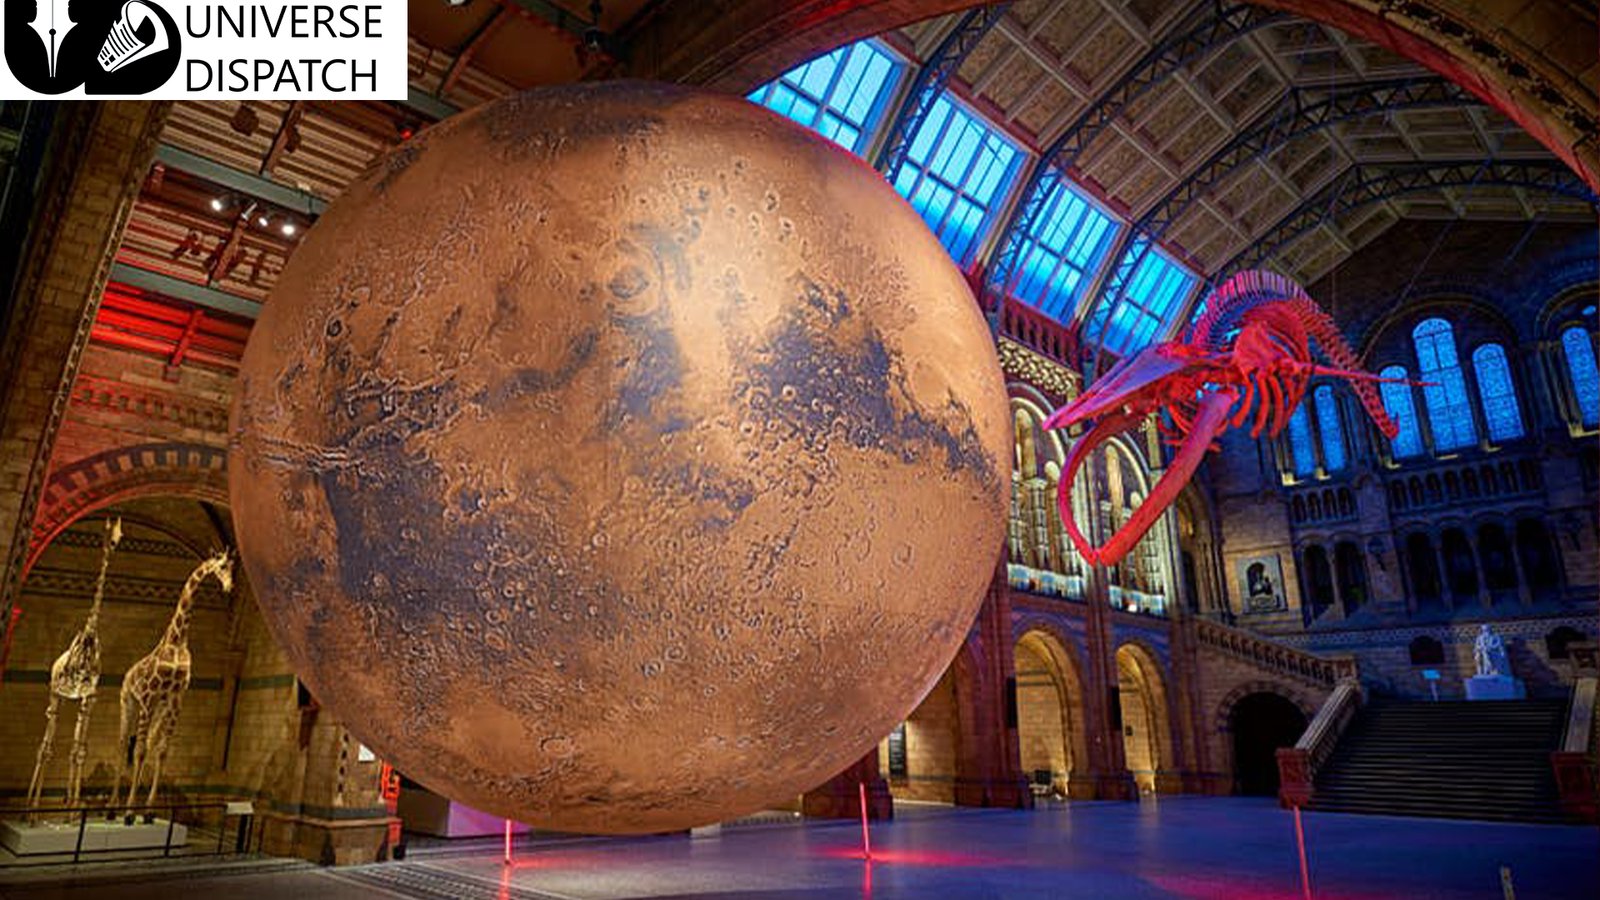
pixel 1238 849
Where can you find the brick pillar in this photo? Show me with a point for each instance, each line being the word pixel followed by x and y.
pixel 1108 763
pixel 102 152
pixel 1193 764
pixel 329 807
pixel 840 796
pixel 989 756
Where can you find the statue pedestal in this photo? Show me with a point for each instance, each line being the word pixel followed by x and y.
pixel 25 839
pixel 1495 687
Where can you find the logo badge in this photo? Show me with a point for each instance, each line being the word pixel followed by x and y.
pixel 205 50
pixel 56 46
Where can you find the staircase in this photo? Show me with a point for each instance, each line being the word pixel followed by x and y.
pixel 1455 759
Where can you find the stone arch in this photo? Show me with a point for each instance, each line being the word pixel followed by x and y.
pixel 935 738
pixel 1389 338
pixel 125 473
pixel 1565 303
pixel 1147 709
pixel 1224 711
pixel 1262 723
pixel 1061 696
pixel 1222 716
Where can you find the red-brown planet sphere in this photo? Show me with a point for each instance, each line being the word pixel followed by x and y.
pixel 620 457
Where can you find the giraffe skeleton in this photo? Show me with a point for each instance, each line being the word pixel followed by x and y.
pixel 75 676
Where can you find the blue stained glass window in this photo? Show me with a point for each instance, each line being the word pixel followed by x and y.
pixel 1449 408
pixel 1579 349
pixel 1154 295
pixel 1331 429
pixel 1499 397
pixel 1397 400
pixel 955 174
pixel 1062 251
pixel 840 95
pixel 1300 444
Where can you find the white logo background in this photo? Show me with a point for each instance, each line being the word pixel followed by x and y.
pixel 338 66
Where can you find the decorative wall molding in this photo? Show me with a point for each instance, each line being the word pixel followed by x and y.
pixel 182 408
pixel 1054 379
pixel 1454 632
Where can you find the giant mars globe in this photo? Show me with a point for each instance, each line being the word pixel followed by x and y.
pixel 620 457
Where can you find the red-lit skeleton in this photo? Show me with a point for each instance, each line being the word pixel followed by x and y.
pixel 1251 350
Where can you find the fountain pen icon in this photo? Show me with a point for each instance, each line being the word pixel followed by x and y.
pixel 52 24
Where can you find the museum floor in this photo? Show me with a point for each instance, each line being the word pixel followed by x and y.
pixel 1179 847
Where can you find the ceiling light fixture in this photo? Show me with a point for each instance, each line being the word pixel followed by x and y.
pixel 288 229
pixel 217 204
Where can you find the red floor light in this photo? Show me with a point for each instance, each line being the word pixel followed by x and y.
pixel 1300 841
pixel 508 842
pixel 866 836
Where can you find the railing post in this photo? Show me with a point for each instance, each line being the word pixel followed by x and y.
pixel 172 820
pixel 1294 777
pixel 1572 764
pixel 83 823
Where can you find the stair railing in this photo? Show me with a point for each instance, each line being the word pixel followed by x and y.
pixel 1268 654
pixel 1298 765
pixel 1575 763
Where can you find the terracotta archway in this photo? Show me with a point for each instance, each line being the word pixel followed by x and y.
pixel 1496 54
pixel 1146 710
pixel 1222 717
pixel 1052 721
pixel 125 473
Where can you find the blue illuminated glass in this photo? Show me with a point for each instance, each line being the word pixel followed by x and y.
pixel 1060 254
pixel 840 95
pixel 1402 408
pixel 955 175
pixel 1500 411
pixel 1153 297
pixel 1449 409
pixel 1331 429
pixel 1579 349
pixel 1300 444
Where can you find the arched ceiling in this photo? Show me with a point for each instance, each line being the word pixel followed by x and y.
pixel 1256 135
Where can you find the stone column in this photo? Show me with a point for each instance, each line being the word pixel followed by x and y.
pixel 840 796
pixel 1108 768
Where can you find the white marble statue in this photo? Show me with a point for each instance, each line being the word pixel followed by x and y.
pixel 1489 653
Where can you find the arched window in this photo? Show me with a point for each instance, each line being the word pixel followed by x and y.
pixel 1332 431
pixel 1495 390
pixel 1423 567
pixel 1318 581
pixel 1449 409
pixel 1426 651
pixel 1539 562
pixel 1499 572
pixel 1402 409
pixel 1461 570
pixel 1350 568
pixel 1557 641
pixel 1579 350
pixel 1300 443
